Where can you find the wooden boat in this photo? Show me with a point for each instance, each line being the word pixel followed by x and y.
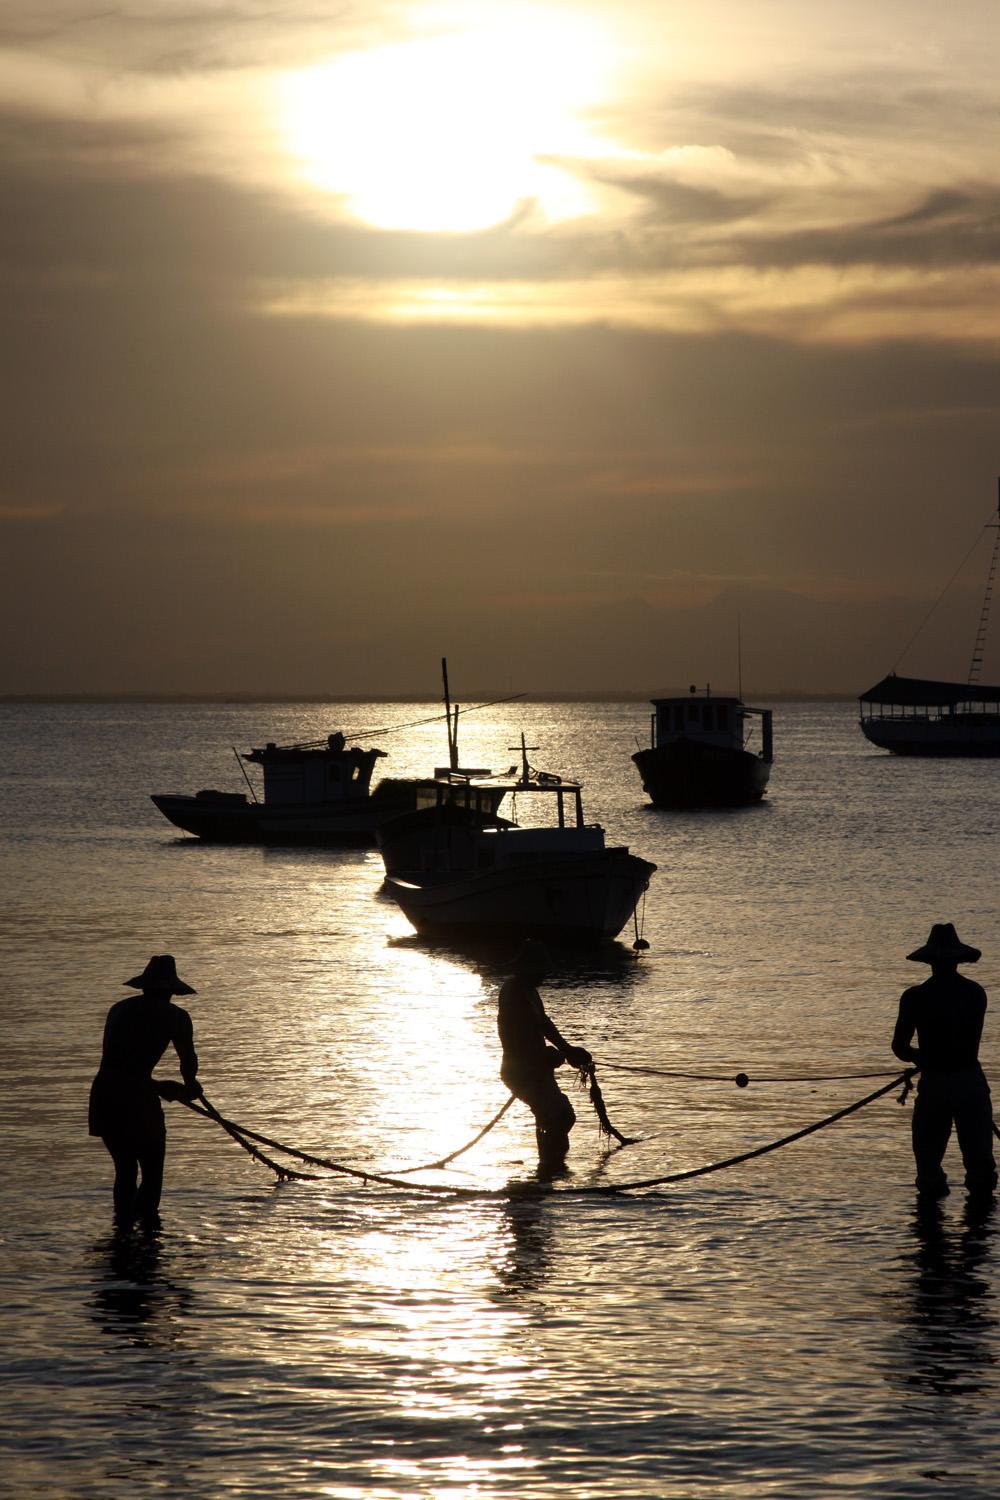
pixel 475 878
pixel 320 792
pixel 700 753
pixel 925 716
pixel 314 793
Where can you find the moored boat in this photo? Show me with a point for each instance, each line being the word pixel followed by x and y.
pixel 922 716
pixel 477 878
pixel 318 792
pixel 701 755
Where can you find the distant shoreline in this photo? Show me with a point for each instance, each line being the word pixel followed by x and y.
pixel 771 696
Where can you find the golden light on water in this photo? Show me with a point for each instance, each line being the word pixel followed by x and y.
pixel 452 132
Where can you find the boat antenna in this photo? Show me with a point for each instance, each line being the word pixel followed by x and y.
pixel 739 655
pixel 976 664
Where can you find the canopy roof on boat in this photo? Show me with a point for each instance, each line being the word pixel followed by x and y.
pixel 925 692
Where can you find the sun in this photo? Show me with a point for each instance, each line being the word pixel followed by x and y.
pixel 451 133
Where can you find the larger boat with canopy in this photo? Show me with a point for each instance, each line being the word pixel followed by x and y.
pixel 925 716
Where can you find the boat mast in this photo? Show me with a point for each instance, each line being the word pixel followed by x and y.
pixel 452 733
pixel 975 665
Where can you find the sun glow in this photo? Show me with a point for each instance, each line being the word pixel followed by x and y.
pixel 453 133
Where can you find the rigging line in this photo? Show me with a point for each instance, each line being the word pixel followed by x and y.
pixel 367 734
pixel 940 596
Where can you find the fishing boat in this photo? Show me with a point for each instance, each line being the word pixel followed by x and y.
pixel 320 792
pixel 557 878
pixel 926 716
pixel 314 793
pixel 702 752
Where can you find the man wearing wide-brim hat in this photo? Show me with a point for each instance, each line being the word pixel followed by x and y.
pixel 125 1108
pixel 946 1014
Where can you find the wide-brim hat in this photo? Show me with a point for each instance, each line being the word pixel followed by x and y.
pixel 160 974
pixel 944 943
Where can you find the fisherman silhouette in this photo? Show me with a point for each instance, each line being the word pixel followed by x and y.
pixel 125 1098
pixel 529 1062
pixel 946 1012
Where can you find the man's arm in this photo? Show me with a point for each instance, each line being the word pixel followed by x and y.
pixel 902 1036
pixel 577 1057
pixel 187 1056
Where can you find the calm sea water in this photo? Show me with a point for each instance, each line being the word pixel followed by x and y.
pixel 788 1328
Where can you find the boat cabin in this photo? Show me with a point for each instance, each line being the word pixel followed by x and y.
pixel 720 721
pixel 317 772
pixel 476 790
pixel 924 698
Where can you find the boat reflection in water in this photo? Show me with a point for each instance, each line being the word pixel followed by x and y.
pixel 457 871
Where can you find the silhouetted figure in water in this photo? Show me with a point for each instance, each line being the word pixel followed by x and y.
pixel 946 1012
pixel 529 1061
pixel 125 1099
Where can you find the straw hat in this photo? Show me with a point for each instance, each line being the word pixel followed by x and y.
pixel 944 943
pixel 160 974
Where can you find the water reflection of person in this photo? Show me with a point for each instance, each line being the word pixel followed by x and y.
pixel 950 1327
pixel 946 1012
pixel 134 1296
pixel 532 1050
pixel 125 1108
pixel 525 1265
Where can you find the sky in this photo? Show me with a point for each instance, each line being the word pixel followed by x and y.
pixel 573 342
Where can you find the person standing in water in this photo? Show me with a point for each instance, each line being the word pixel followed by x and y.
pixel 532 1050
pixel 125 1108
pixel 946 1013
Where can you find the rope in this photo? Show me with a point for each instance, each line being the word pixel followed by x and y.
pixel 244 1138
pixel 735 1161
pixel 588 1079
pixel 742 1079
pixel 432 1165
